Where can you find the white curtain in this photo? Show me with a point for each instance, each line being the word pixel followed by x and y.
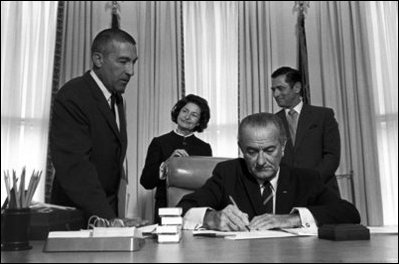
pixel 383 24
pixel 267 41
pixel 211 68
pixel 156 26
pixel 27 52
pixel 353 65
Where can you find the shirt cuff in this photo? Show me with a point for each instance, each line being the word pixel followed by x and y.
pixel 307 219
pixel 162 174
pixel 194 218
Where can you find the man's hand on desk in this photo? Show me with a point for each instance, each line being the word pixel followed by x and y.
pixel 269 221
pixel 228 219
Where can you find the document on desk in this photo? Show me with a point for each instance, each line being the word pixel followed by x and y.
pixel 259 234
pixel 383 229
pixel 302 231
pixel 243 234
pixel 213 233
pixel 146 231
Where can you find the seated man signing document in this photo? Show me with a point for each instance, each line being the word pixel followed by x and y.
pixel 256 193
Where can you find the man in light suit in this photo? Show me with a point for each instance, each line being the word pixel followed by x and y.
pixel 88 138
pixel 257 193
pixel 314 140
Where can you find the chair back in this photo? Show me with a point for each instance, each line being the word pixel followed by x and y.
pixel 186 174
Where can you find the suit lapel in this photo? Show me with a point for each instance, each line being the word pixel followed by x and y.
pixel 102 105
pixel 304 121
pixel 285 192
pixel 288 145
pixel 253 191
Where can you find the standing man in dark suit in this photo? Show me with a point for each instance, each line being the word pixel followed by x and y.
pixel 88 134
pixel 314 140
pixel 257 193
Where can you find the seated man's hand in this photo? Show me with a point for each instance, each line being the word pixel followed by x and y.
pixel 269 221
pixel 228 219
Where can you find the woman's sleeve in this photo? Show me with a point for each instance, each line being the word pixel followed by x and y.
pixel 209 150
pixel 150 176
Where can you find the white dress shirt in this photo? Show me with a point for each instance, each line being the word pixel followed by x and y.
pixel 297 108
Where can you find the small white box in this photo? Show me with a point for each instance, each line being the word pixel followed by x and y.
pixel 171 220
pixel 170 211
pixel 169 238
pixel 168 229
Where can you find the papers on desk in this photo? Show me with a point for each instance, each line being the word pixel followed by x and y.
pixel 383 229
pixel 146 231
pixel 303 231
pixel 213 233
pixel 289 232
pixel 259 234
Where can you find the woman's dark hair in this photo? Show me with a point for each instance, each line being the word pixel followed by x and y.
pixel 201 103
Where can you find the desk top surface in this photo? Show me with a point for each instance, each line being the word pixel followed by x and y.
pixel 380 248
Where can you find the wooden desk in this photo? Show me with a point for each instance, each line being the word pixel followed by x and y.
pixel 380 248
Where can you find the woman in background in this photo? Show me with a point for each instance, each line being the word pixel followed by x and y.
pixel 191 114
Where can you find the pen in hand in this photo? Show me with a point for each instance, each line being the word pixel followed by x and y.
pixel 234 203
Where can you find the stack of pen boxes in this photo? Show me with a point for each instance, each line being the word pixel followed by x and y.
pixel 171 224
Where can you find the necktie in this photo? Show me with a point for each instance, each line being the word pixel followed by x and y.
pixel 267 197
pixel 117 103
pixel 116 99
pixel 292 119
pixel 121 113
pixel 113 100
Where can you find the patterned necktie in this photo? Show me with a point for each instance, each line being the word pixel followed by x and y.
pixel 292 119
pixel 267 197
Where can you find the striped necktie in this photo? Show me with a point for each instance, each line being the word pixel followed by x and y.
pixel 267 197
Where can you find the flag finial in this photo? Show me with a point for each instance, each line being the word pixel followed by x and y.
pixel 301 6
pixel 115 9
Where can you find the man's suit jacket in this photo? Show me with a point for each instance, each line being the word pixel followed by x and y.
pixel 317 143
pixel 295 188
pixel 87 149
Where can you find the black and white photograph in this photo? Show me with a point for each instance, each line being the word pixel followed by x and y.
pixel 199 131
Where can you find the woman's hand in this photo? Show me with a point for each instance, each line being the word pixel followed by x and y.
pixel 178 153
